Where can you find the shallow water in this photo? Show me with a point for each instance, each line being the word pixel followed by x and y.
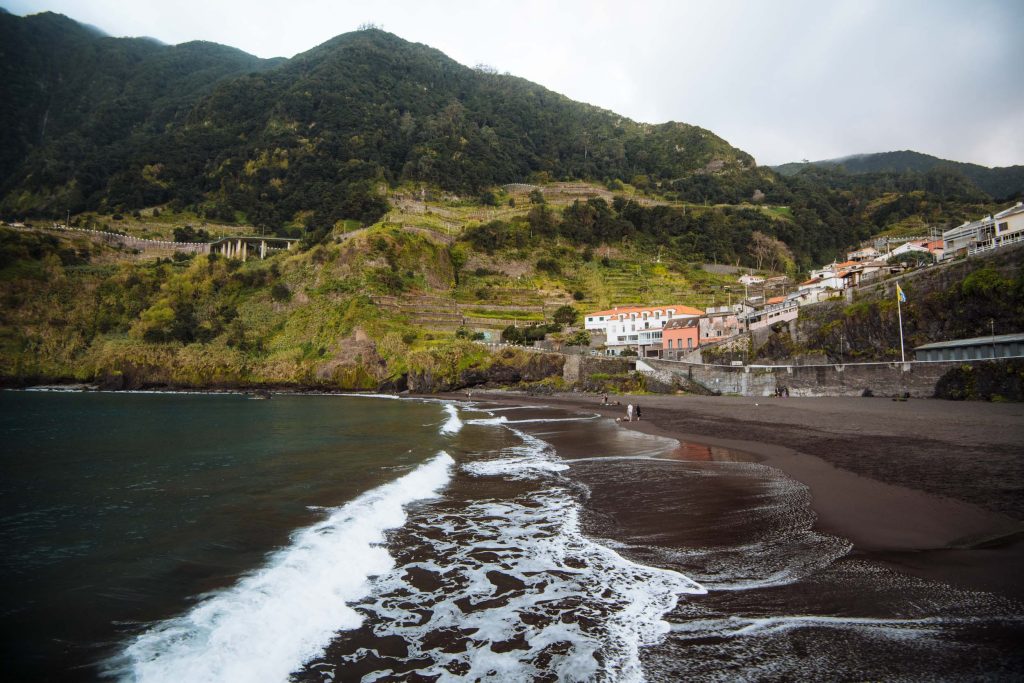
pixel 187 537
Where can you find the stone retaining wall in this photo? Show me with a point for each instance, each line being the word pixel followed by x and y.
pixel 917 378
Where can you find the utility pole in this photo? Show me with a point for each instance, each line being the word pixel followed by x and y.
pixel 992 328
pixel 840 347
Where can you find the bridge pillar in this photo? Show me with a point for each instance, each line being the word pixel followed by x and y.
pixel 244 248
pixel 263 249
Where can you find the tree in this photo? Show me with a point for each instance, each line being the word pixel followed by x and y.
pixel 565 315
pixel 580 338
pixel 512 335
pixel 536 196
pixel 769 251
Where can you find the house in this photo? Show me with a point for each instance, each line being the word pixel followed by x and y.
pixel 679 337
pixel 917 246
pixel 935 248
pixel 778 309
pixel 748 280
pixel 994 231
pixel 636 327
pixel 717 324
pixel 872 270
pixel 865 254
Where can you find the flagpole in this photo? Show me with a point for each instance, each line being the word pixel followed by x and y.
pixel 899 313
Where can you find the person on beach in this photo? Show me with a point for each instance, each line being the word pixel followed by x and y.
pixel 604 399
pixel 629 412
pixel 637 412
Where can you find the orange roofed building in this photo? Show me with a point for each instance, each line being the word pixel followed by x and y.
pixel 637 327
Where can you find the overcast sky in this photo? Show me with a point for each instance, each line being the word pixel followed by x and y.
pixel 783 80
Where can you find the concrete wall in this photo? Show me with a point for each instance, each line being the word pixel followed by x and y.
pixel 581 367
pixel 881 379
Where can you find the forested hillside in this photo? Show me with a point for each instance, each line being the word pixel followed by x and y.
pixel 99 122
pixel 1002 184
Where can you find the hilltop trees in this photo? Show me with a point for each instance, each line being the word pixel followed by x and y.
pixel 770 252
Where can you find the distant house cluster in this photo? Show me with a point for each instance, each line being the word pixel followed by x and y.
pixel 674 331
pixel 636 328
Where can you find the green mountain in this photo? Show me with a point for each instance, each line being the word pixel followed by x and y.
pixel 1002 183
pixel 78 106
pixel 93 122
pixel 298 147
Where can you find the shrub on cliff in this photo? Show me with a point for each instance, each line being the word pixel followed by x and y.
pixel 991 381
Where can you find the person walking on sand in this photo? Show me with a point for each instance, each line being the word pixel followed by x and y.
pixel 637 412
pixel 629 412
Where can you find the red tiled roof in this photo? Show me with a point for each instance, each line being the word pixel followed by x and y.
pixel 776 300
pixel 626 310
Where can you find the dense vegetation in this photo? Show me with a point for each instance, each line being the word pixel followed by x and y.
pixel 1001 183
pixel 303 142
pixel 92 123
pixel 198 141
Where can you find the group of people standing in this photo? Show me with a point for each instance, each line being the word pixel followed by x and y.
pixel 631 410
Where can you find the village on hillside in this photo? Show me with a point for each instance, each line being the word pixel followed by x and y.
pixel 679 332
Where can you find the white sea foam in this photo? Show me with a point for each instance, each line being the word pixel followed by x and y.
pixel 278 618
pixel 453 424
pixel 499 410
pixel 393 397
pixel 520 573
pixel 736 626
pixel 555 419
pixel 500 420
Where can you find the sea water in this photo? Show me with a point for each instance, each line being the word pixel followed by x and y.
pixel 335 538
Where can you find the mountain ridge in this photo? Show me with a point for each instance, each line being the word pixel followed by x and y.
pixel 256 136
pixel 1001 182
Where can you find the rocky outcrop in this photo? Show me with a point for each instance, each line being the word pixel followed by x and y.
pixel 505 368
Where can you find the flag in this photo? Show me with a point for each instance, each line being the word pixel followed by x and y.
pixel 899 294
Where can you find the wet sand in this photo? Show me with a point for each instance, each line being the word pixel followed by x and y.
pixel 929 488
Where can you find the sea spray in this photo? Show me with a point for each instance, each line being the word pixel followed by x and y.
pixel 281 616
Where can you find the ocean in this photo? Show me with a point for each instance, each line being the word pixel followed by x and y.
pixel 191 537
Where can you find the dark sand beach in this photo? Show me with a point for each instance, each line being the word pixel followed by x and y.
pixel 930 488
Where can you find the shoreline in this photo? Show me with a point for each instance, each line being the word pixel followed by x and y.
pixel 899 504
pixel 928 487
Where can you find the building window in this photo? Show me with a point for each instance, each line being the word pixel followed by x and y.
pixel 689 343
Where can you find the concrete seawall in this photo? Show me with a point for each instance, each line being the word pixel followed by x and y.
pixel 917 378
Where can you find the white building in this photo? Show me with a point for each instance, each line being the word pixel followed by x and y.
pixel 777 310
pixel 637 327
pixel 990 232
pixel 748 280
pixel 906 248
pixel 865 254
